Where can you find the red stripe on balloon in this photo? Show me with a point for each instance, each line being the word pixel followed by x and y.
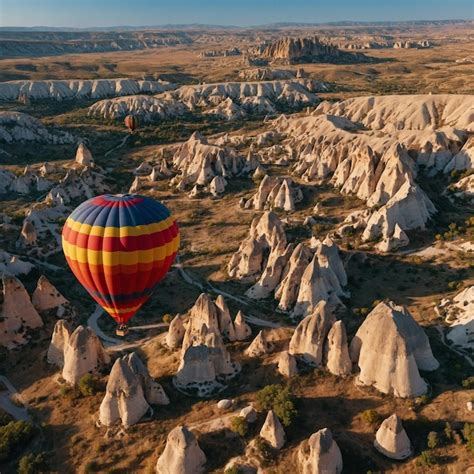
pixel 117 244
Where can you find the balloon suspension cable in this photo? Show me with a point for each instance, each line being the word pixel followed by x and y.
pixel 122 330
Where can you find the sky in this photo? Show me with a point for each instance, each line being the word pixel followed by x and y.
pixel 90 13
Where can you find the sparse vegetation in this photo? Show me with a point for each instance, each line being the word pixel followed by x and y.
pixel 279 399
pixel 427 459
pixel 32 464
pixel 371 417
pixel 239 425
pixel 14 435
pixel 88 385
pixel 432 440
pixel 468 435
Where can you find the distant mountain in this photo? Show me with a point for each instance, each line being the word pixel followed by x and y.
pixel 198 26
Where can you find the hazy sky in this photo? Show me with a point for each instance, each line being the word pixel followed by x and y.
pixel 84 13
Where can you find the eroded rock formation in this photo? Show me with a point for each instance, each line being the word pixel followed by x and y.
pixel 309 339
pixel 391 439
pixel 389 349
pixel 320 454
pixel 130 391
pixel 18 315
pixel 182 454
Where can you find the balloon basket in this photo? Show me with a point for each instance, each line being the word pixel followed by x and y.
pixel 122 330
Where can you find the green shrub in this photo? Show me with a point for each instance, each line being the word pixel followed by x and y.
pixel 468 383
pixel 448 431
pixel 432 440
pixel 88 385
pixel 12 435
pixel 239 425
pixel 468 435
pixel 427 459
pixel 371 417
pixel 167 318
pixel 279 399
pixel 31 464
pixel 232 470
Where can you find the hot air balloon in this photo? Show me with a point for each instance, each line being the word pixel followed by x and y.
pixel 119 247
pixel 131 122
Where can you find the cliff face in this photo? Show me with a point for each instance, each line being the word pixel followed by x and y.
pixel 308 50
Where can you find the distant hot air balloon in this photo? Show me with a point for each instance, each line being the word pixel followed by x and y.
pixel 131 122
pixel 119 248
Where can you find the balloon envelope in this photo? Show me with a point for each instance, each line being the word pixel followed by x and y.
pixel 119 248
pixel 131 122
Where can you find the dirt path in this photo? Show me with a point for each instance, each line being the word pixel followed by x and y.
pixel 20 413
pixel 120 145
pixel 453 348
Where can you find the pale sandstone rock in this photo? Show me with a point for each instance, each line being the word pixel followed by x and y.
pixel 271 276
pixel 290 50
pixel 275 193
pixel 310 335
pixel 46 296
pixel 318 283
pixel 59 341
pixel 20 127
pixel 17 313
pixel 460 315
pixel 12 265
pixel 391 439
pixel 287 290
pixel 79 88
pixel 464 159
pixel 182 454
pixel 272 431
pixel 338 359
pixel 390 348
pixel 205 362
pixel 175 334
pixel 242 329
pixel 398 239
pixel 217 186
pixel 83 354
pixel 29 235
pixel 130 391
pixel 266 233
pixel 249 413
pixel 287 365
pixel 226 324
pixel 84 156
pixel 124 400
pixel 224 404
pixel 320 454
pixel 259 346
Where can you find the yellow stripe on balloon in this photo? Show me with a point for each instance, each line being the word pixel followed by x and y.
pixel 121 310
pixel 124 231
pixel 101 257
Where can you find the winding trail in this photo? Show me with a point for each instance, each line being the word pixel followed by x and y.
pixel 452 347
pixel 20 413
pixel 120 145
pixel 114 344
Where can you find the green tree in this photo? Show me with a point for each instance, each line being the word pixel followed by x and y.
pixel 239 425
pixel 279 399
pixel 88 385
pixel 12 435
pixel 427 459
pixel 468 435
pixel 432 439
pixel 448 431
pixel 371 417
pixel 31 464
